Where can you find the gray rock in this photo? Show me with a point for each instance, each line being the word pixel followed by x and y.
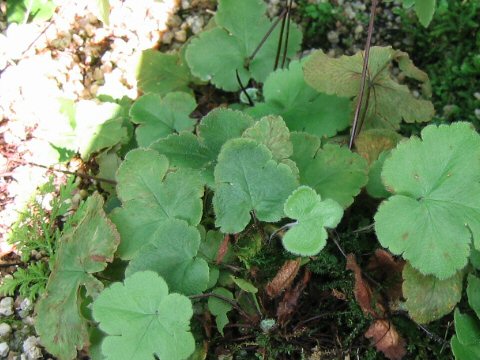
pixel 333 37
pixel 6 306
pixel 31 348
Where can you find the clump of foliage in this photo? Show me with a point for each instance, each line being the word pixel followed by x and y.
pixel 219 227
pixel 36 234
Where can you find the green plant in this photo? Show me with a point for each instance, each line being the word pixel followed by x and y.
pixel 197 208
pixel 36 233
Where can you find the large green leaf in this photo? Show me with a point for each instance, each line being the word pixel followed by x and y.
pixel 21 11
pixel 161 73
pixel 142 319
pixel 388 101
pixel 333 171
pixel 434 214
pixel 150 197
pixel 200 152
pixel 473 292
pixel 429 298
pixel 83 250
pixel 466 342
pixel 248 179
pixel 304 109
pixel 308 235
pixel 159 117
pixel 216 54
pixel 172 254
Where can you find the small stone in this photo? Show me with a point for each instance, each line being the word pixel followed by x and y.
pixel 5 330
pixel 98 74
pixel 333 37
pixel 358 29
pixel 167 37
pixel 477 113
pixel 77 39
pixel 31 349
pixel 4 349
pixel 181 36
pixel 185 4
pixel 6 306
pixel 477 95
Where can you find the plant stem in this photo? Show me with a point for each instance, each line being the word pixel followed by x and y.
pixel 355 125
pixel 220 297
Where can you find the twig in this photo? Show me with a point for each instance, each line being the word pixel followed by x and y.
pixel 287 35
pixel 280 40
pixel 83 176
pixel 262 42
pixel 355 127
pixel 250 102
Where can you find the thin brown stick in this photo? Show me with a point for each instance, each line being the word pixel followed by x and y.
pixel 280 40
pixel 287 35
pixel 83 176
pixel 244 91
pixel 262 42
pixel 355 127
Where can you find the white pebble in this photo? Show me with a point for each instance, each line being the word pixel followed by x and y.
pixel 6 306
pixel 31 349
pixel 477 113
pixel 4 349
pixel 181 36
pixel 5 330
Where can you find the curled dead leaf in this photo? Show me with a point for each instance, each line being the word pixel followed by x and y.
pixel 386 339
pixel 284 278
pixel 289 303
pixel 387 270
pixel 222 250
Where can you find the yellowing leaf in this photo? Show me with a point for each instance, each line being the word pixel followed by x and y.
pixel 83 251
pixel 388 101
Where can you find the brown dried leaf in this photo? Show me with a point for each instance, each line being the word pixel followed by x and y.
pixel 388 271
pixel 363 292
pixel 284 278
pixel 289 303
pixel 386 339
pixel 370 143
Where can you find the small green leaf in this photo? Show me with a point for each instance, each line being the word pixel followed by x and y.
pixel 308 236
pixel 83 250
pixel 161 73
pixel 333 171
pixel 142 319
pixel 434 213
pixel 245 285
pixel 425 10
pixel 219 308
pixel 21 11
pixel 473 293
pixel 159 117
pixel 429 298
pixel 464 352
pixel 304 109
pixel 103 8
pixel 388 101
pixel 189 151
pixel 248 179
pixel 150 197
pixel 172 254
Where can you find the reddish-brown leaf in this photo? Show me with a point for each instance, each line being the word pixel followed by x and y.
pixel 363 292
pixel 388 271
pixel 222 250
pixel 284 278
pixel 386 339
pixel 289 303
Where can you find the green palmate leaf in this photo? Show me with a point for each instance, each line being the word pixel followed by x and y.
pixel 21 11
pixel 375 187
pixel 103 10
pixel 219 308
pixel 308 236
pixel 304 109
pixel 217 54
pixel 86 126
pixel 150 197
pixel 162 73
pixel 435 212
pixel 334 172
pixel 475 259
pixel 371 143
pixel 473 293
pixel 388 101
pixel 189 151
pixel 429 298
pixel 83 250
pixel 425 10
pixel 159 117
pixel 248 179
pixel 108 163
pixel 143 320
pixel 172 254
